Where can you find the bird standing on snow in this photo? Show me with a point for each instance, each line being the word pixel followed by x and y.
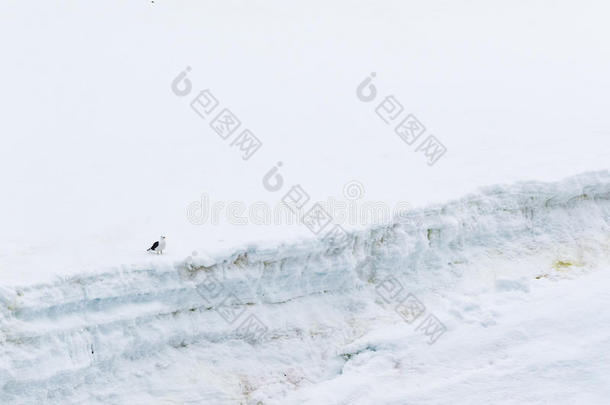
pixel 158 246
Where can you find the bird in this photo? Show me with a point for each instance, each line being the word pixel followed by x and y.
pixel 158 246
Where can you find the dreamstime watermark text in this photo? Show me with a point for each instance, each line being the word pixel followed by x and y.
pixel 353 210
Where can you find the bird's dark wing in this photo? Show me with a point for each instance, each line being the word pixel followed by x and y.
pixel 154 246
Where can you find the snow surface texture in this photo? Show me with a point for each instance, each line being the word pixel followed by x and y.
pixel 516 275
pixel 100 157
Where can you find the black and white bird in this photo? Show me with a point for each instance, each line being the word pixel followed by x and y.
pixel 158 246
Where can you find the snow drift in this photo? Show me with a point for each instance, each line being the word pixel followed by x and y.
pixel 182 333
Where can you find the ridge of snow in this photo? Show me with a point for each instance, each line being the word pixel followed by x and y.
pixel 110 334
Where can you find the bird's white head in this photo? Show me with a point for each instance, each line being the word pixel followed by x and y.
pixel 162 237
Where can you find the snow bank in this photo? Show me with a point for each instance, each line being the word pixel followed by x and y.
pixel 280 325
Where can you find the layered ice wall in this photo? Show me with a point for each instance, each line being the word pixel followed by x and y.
pixel 278 325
